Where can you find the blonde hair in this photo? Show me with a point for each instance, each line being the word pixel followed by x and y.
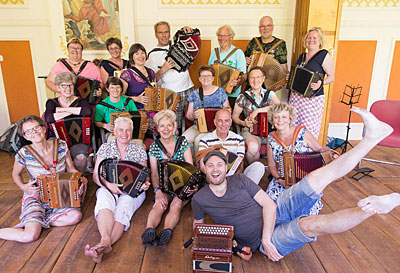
pixel 279 107
pixel 321 37
pixel 169 114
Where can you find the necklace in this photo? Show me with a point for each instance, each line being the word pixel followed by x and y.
pixel 75 64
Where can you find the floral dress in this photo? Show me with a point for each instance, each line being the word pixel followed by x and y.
pixel 275 188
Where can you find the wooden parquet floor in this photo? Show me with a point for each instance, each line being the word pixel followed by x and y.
pixel 373 246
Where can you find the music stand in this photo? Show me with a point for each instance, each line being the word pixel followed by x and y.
pixel 351 95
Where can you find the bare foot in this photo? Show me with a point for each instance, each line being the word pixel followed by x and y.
pixel 375 130
pixel 380 204
pixel 97 252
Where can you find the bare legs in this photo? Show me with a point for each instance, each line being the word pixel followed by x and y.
pixel 80 162
pixel 110 232
pixel 253 149
pixel 29 233
pixel 171 219
pixel 375 132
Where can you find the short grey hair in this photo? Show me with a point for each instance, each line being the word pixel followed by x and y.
pixel 120 120
pixel 64 77
pixel 231 31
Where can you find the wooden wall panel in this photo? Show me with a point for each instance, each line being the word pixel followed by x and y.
pixel 393 92
pixel 202 59
pixel 19 79
pixel 354 65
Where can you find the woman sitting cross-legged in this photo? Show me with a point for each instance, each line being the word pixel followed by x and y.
pixel 167 147
pixel 68 105
pixel 287 138
pixel 36 215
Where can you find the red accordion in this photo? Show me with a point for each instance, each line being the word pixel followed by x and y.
pixel 212 250
pixel 297 166
pixel 261 128
pixel 72 130
pixel 205 122
pixel 129 174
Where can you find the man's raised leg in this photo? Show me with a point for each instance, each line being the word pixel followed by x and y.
pixel 375 131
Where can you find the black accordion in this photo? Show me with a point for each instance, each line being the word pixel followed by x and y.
pixel 130 174
pixel 300 80
pixel 86 88
pixel 179 178
pixel 72 130
pixel 185 49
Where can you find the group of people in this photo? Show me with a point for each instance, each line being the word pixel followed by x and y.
pixel 276 222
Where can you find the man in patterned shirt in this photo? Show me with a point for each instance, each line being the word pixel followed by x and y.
pixel 232 142
pixel 267 41
pixel 114 208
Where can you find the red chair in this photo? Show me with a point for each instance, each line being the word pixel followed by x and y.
pixel 388 111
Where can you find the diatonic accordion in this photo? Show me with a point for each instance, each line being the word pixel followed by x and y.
pixel 297 166
pixel 60 190
pixel 275 75
pixel 261 128
pixel 179 178
pixel 86 88
pixel 139 118
pixel 212 250
pixel 72 130
pixel 205 122
pixel 300 80
pixel 224 75
pixel 160 99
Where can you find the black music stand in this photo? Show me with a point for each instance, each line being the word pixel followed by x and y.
pixel 351 95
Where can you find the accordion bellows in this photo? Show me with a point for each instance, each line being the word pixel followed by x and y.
pixel 139 118
pixel 224 75
pixel 179 178
pixel 275 75
pixel 212 250
pixel 72 130
pixel 129 174
pixel 60 190
pixel 160 99
pixel 205 122
pixel 297 166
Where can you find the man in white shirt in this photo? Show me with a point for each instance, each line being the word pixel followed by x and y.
pixel 169 78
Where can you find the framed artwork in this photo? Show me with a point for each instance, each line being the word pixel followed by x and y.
pixel 92 21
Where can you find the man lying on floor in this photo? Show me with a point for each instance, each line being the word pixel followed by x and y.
pixel 278 228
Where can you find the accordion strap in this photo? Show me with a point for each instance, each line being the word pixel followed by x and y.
pixel 200 154
pixel 40 159
pixel 252 100
pixel 156 50
pixel 70 68
pixel 269 50
pixel 201 95
pixel 113 107
pixel 164 150
pixel 114 64
pixel 151 81
pixel 280 141
pixel 227 56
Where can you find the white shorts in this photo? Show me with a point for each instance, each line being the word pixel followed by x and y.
pixel 123 209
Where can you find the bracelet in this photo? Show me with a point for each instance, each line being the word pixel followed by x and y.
pixel 156 189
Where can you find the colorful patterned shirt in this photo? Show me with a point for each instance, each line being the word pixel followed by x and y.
pixel 279 53
pixel 134 152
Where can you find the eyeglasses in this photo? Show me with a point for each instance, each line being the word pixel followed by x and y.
pixel 65 86
pixel 114 48
pixel 30 131
pixel 75 48
pixel 163 32
pixel 205 76
pixel 266 26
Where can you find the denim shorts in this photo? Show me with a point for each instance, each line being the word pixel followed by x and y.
pixel 292 205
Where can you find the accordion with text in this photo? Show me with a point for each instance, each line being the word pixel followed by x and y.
pixel 212 250
pixel 297 166
pixel 261 128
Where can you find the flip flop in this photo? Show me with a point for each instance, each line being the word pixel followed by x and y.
pixel 148 236
pixel 165 236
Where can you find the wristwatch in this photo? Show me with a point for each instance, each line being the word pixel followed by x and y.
pixel 156 189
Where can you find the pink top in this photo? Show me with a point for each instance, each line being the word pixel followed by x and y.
pixel 91 71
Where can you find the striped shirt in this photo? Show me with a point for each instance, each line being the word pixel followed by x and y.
pixel 233 143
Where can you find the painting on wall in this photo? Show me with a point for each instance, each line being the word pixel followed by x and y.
pixel 92 21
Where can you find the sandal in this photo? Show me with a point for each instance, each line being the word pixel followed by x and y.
pixel 148 236
pixel 165 236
